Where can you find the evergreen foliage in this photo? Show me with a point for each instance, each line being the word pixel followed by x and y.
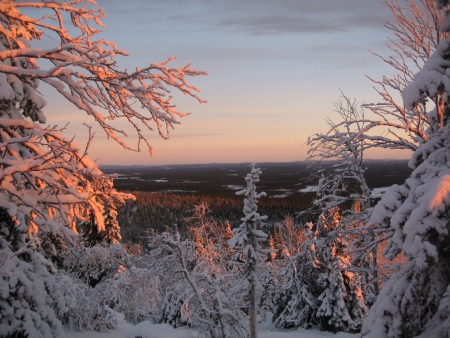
pixel 319 288
pixel 29 298
pixel 250 255
pixel 415 216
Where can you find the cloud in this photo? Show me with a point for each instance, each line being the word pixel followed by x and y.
pixel 258 17
pixel 278 24
pixel 319 16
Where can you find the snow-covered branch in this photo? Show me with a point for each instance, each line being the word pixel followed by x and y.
pixel 86 73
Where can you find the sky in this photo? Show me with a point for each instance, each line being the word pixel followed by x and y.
pixel 275 68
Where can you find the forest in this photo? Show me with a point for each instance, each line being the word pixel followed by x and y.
pixel 164 199
pixel 337 243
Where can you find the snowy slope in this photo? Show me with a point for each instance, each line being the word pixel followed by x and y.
pixel 148 330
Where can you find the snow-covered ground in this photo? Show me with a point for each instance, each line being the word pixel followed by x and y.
pixel 286 193
pixel 234 187
pixel 309 188
pixel 149 330
pixel 378 192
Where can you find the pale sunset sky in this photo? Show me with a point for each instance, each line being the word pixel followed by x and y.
pixel 275 69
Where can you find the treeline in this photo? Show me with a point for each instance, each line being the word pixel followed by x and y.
pixel 158 211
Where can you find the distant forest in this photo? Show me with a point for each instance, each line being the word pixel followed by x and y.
pixel 166 195
pixel 158 211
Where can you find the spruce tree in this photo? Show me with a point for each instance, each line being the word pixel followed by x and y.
pixel 414 302
pixel 247 241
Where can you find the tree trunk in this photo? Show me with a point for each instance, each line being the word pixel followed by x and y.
pixel 252 311
pixel 375 270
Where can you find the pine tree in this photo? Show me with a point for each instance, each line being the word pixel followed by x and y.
pixel 111 230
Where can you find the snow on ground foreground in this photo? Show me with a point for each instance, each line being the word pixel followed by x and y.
pixel 149 330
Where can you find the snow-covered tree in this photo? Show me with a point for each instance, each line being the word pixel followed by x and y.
pixel 112 228
pixel 42 171
pixel 196 276
pixel 111 232
pixel 48 184
pixel 30 301
pixel 319 289
pixel 197 291
pixel 207 233
pixel 296 297
pixel 414 302
pixel 343 181
pixel 342 304
pixel 101 280
pixel 247 241
pixel 284 245
pixel 290 237
pixel 388 124
pixel 416 35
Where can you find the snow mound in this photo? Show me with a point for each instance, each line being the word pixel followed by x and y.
pixel 149 330
pixel 378 192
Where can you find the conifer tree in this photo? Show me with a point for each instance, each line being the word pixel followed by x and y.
pixel 296 297
pixel 343 184
pixel 414 215
pixel 342 305
pixel 319 290
pixel 247 241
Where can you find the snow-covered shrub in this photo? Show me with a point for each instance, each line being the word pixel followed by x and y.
pixel 84 310
pixel 175 295
pixel 133 292
pixel 93 264
pixel 106 275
